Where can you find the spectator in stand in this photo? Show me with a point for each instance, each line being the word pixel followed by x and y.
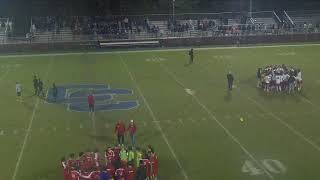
pixel 132 132
pixel 120 130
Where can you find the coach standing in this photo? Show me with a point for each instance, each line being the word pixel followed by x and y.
pixel 91 104
pixel 120 129
pixel 132 132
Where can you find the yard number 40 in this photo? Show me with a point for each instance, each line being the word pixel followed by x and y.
pixel 271 165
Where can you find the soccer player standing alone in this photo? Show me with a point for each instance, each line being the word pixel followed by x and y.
pixel 132 132
pixel 54 92
pixel 91 104
pixel 191 56
pixel 19 91
pixel 120 129
pixel 35 85
pixel 230 80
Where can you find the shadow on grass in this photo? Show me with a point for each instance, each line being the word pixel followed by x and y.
pixel 228 96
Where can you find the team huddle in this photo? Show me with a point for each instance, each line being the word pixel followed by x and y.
pixel 279 78
pixel 118 163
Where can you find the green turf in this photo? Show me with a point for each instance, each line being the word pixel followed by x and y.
pixel 203 131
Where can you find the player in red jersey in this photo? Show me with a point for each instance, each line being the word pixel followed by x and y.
pixel 91 104
pixel 88 160
pixel 110 170
pixel 93 175
pixel 71 161
pixel 116 151
pixel 130 173
pixel 120 130
pixel 109 155
pixel 154 165
pixel 65 169
pixel 74 175
pixel 120 174
pixel 147 164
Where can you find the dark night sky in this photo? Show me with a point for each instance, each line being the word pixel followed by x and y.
pixel 102 7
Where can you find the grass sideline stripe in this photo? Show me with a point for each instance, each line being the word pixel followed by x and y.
pixel 155 50
pixel 36 105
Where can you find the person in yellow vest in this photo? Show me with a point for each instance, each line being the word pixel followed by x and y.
pixel 138 157
pixel 131 155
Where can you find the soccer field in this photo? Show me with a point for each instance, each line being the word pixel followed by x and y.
pixel 183 110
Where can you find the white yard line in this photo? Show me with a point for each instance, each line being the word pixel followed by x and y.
pixel 174 77
pixel 309 102
pixel 292 129
pixel 35 107
pixel 93 119
pixel 155 119
pixel 4 75
pixel 157 50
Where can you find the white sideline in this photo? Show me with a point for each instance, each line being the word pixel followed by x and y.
pixel 156 50
pixel 294 131
pixel 36 105
pixel 155 120
pixel 174 77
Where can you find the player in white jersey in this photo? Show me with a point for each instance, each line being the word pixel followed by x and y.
pixel 278 81
pixel 299 80
pixel 19 91
pixel 267 81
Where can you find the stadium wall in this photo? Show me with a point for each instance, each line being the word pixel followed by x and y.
pixel 167 42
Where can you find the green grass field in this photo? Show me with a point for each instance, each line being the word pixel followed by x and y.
pixel 184 111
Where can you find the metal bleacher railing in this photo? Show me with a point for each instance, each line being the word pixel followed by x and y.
pixel 5 27
pixel 154 26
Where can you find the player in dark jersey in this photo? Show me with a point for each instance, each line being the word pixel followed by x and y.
pixel 35 85
pixel 40 88
pixel 191 56
pixel 54 92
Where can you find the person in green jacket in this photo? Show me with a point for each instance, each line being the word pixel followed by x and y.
pixel 123 156
pixel 131 155
pixel 138 157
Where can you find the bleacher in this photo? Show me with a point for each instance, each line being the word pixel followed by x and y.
pixel 4 29
pixel 152 27
pixel 308 17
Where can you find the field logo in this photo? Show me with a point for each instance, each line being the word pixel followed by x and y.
pixel 74 96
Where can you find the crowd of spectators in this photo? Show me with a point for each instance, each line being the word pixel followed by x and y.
pixel 6 25
pixel 125 27
pixel 105 26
